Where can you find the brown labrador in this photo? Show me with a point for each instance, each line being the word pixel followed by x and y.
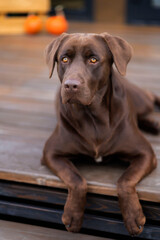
pixel 98 114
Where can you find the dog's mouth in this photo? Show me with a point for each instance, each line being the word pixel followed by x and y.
pixel 73 101
pixel 76 99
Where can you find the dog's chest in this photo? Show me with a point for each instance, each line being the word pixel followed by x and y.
pixel 96 133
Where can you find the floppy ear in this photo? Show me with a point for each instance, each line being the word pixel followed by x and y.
pixel 51 51
pixel 121 51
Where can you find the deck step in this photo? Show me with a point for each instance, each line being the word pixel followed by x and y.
pixel 14 231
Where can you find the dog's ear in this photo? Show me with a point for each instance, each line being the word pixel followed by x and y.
pixel 51 52
pixel 121 51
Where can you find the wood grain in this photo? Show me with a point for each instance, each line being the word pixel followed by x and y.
pixel 49 196
pixel 91 221
pixel 14 231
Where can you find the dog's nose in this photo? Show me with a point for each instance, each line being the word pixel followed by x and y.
pixel 71 85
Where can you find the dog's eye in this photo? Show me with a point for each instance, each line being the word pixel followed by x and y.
pixel 65 60
pixel 93 60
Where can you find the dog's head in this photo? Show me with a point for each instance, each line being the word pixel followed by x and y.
pixel 84 63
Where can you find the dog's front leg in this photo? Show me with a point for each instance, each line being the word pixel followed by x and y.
pixel 77 189
pixel 132 213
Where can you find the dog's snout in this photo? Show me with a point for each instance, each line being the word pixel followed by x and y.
pixel 71 85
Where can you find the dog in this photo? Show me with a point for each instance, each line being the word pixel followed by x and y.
pixel 99 114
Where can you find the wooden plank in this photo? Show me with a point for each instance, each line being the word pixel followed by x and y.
pixel 15 133
pixel 26 120
pixel 15 44
pixel 14 231
pixel 18 105
pixel 27 93
pixel 91 221
pixel 98 204
pixel 24 6
pixel 21 67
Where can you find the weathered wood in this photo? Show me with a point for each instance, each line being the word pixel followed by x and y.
pixel 91 221
pixel 32 107
pixel 27 120
pixel 14 231
pixel 99 204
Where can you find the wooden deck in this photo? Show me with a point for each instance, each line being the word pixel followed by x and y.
pixel 27 115
pixel 27 109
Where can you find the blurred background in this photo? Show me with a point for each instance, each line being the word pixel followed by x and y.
pixel 124 12
pixel 120 12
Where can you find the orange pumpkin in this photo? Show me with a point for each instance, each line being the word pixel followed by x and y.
pixel 56 24
pixel 33 24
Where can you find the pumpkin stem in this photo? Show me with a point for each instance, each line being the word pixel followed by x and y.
pixel 59 10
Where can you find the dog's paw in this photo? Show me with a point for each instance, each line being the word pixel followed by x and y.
pixel 72 219
pixel 74 212
pixel 134 221
pixel 133 216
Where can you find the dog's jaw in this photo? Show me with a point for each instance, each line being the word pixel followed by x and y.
pixel 83 97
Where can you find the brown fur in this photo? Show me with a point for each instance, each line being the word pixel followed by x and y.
pixel 98 115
